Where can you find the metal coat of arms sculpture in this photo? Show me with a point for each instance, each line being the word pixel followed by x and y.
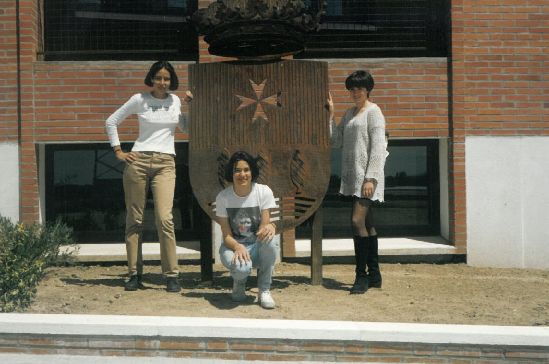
pixel 271 108
pixel 275 111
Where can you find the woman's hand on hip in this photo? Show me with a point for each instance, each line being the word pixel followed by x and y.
pixel 126 157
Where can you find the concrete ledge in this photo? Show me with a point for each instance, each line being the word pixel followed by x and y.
pixel 190 250
pixel 116 252
pixel 425 245
pixel 238 328
pixel 35 337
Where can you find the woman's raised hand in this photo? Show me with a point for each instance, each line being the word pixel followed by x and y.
pixel 330 105
pixel 188 96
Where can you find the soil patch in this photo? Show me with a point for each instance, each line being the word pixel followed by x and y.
pixel 416 293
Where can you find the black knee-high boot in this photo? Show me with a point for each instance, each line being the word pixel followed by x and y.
pixel 361 257
pixel 374 274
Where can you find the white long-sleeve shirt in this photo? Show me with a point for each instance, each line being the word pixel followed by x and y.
pixel 364 150
pixel 157 121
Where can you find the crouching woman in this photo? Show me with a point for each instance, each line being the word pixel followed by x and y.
pixel 249 240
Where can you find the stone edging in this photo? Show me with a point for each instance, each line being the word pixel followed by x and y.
pixel 198 327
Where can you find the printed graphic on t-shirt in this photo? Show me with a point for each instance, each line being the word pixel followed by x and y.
pixel 161 113
pixel 244 223
pixel 160 107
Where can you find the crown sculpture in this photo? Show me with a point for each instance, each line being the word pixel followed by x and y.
pixel 256 29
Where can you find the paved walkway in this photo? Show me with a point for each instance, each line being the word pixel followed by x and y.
pixel 422 246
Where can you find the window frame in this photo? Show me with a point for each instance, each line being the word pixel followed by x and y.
pixel 110 236
pixel 437 37
pixel 433 228
pixel 56 34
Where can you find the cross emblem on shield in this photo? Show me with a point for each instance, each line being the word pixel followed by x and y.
pixel 274 111
pixel 273 100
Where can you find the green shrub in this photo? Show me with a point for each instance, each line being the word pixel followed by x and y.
pixel 25 251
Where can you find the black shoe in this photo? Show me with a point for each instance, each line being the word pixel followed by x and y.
pixel 361 256
pixel 372 261
pixel 360 286
pixel 133 283
pixel 173 285
pixel 374 280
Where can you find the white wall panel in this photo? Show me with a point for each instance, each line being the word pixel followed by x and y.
pixel 507 194
pixel 9 182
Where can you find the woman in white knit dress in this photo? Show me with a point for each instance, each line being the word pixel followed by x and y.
pixel 361 135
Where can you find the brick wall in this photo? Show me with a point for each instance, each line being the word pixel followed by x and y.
pixel 269 349
pixel 412 93
pixel 503 87
pixel 8 72
pixel 499 58
pixel 72 100
pixel 29 35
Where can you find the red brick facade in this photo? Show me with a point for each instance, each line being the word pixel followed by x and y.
pixel 270 349
pixel 496 74
pixel 8 72
pixel 498 86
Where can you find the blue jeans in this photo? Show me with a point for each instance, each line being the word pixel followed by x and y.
pixel 263 257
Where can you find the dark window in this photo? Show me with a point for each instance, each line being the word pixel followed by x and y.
pixel 84 189
pixel 412 194
pixel 380 28
pixel 119 29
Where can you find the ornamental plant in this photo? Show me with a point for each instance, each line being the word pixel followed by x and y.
pixel 25 251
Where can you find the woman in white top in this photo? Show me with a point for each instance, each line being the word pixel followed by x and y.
pixel 249 240
pixel 151 164
pixel 361 135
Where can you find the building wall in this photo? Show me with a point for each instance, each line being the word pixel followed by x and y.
pixel 30 32
pixel 9 149
pixel 499 89
pixel 506 179
pixel 8 72
pixel 73 99
pixel 495 74
pixel 9 183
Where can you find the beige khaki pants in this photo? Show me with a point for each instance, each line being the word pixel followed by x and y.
pixel 157 172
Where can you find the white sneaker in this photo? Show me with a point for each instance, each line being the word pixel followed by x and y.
pixel 266 300
pixel 239 290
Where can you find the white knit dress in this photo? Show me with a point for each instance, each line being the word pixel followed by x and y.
pixel 364 150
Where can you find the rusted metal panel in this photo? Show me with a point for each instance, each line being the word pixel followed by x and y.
pixel 275 111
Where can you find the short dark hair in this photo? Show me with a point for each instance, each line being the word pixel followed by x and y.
pixel 362 79
pixel 241 156
pixel 157 66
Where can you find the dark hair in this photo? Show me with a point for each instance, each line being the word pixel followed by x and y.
pixel 362 79
pixel 241 156
pixel 157 66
